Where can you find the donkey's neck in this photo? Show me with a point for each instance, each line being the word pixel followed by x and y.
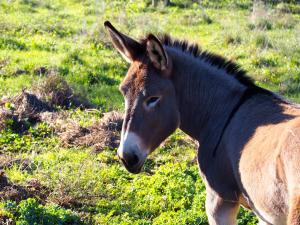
pixel 206 96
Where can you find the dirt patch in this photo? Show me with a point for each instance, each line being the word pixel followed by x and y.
pixel 21 111
pixel 26 110
pixel 16 192
pixel 44 103
pixel 10 191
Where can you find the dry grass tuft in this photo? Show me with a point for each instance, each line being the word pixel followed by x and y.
pixel 101 135
pixel 57 92
pixel 65 200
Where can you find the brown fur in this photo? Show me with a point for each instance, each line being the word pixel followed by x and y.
pixel 294 214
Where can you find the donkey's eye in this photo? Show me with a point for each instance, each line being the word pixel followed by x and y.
pixel 152 101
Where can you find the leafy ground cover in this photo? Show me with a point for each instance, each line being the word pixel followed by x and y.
pixel 46 179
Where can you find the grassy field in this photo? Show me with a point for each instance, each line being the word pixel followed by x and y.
pixel 74 184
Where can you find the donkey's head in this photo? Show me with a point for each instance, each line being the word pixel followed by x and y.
pixel 151 112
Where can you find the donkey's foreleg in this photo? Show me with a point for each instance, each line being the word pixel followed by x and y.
pixel 220 211
pixel 294 211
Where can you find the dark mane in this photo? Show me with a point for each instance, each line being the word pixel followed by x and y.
pixel 230 67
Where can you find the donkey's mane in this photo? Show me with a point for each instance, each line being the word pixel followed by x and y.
pixel 231 68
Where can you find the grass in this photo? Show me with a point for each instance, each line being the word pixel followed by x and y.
pixel 66 37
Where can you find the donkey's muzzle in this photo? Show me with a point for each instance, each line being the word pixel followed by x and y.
pixel 131 153
pixel 131 162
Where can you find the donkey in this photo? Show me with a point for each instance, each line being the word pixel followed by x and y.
pixel 249 137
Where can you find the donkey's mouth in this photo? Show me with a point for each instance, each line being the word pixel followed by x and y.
pixel 133 169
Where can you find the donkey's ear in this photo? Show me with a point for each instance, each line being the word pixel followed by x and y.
pixel 129 48
pixel 158 55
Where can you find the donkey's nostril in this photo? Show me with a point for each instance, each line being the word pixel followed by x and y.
pixel 131 159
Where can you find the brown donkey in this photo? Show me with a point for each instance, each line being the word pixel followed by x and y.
pixel 249 137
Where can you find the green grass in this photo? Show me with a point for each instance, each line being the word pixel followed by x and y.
pixel 67 38
pixel 29 212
